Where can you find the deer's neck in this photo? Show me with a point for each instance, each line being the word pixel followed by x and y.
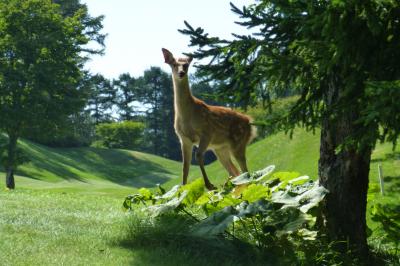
pixel 183 99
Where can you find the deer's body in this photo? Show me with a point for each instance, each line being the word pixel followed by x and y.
pixel 221 129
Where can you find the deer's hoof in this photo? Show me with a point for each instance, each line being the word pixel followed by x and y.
pixel 211 187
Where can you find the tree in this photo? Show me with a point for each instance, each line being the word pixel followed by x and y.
pixel 342 56
pixel 158 96
pixel 101 98
pixel 205 90
pixel 129 92
pixel 92 26
pixel 41 57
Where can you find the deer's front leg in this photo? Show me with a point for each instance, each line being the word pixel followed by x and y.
pixel 187 148
pixel 204 142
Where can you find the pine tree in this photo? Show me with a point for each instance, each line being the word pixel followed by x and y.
pixel 101 98
pixel 342 56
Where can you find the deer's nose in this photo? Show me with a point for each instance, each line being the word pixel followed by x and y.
pixel 181 74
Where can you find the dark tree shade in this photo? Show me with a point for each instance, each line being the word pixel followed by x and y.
pixel 343 58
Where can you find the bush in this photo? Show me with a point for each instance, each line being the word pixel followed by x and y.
pixel 274 213
pixel 267 119
pixel 121 135
pixel 272 216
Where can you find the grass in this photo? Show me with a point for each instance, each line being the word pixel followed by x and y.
pixel 92 170
pixel 67 205
pixel 50 228
pixel 39 227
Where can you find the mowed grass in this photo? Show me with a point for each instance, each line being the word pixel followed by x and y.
pixel 91 170
pixel 39 227
pixel 50 228
pixel 67 208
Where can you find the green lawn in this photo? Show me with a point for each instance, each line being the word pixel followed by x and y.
pixel 39 227
pixel 92 170
pixel 50 228
pixel 67 205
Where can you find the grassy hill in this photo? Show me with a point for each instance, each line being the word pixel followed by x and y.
pixel 67 205
pixel 102 170
pixel 92 170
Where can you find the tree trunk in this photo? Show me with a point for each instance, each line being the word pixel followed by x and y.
pixel 10 182
pixel 344 171
pixel 10 163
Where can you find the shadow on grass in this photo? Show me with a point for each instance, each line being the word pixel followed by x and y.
pixel 394 155
pixel 168 241
pixel 392 184
pixel 118 166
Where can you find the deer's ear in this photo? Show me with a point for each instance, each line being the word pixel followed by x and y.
pixel 190 59
pixel 168 57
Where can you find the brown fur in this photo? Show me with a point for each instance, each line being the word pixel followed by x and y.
pixel 221 129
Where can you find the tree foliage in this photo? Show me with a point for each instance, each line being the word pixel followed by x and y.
pixel 342 58
pixel 41 57
pixel 302 45
pixel 101 98
pixel 128 92
pixel 159 97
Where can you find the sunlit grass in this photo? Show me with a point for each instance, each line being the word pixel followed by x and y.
pixel 67 205
pixel 51 228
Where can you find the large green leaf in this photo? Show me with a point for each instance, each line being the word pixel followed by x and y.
pixel 246 178
pixel 294 225
pixel 255 192
pixel 305 201
pixel 146 193
pixel 170 193
pixel 194 190
pixel 171 205
pixel 218 202
pixel 261 206
pixel 216 224
pixel 219 221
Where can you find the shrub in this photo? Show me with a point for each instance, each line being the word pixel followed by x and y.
pixel 267 119
pixel 274 213
pixel 122 135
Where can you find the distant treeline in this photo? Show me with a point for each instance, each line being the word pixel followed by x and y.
pixel 128 112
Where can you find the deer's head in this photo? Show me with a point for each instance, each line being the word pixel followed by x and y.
pixel 179 66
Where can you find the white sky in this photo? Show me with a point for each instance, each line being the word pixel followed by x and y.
pixel 138 29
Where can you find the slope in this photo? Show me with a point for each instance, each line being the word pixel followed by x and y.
pixel 91 169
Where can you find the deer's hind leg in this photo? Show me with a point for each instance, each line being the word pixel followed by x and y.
pixel 224 156
pixel 240 155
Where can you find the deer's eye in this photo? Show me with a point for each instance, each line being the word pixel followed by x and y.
pixel 186 66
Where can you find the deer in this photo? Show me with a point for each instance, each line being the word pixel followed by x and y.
pixel 224 131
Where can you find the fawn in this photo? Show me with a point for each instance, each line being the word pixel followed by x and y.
pixel 221 129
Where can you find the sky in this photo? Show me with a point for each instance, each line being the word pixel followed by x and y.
pixel 137 30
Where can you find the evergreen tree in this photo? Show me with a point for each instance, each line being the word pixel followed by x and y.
pixel 128 93
pixel 342 56
pixel 158 96
pixel 101 98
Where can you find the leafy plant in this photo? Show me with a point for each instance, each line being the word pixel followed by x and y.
pixel 269 211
